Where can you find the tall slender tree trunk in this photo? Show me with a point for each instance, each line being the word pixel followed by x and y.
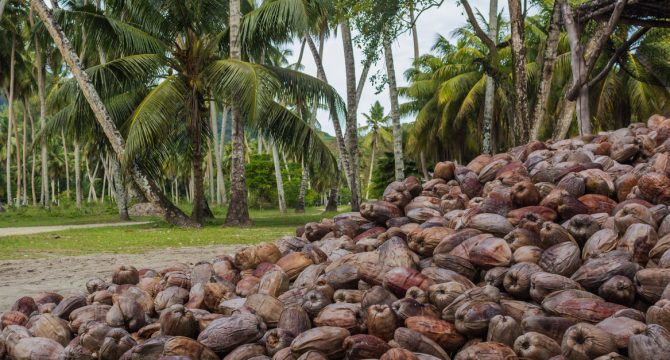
pixel 172 214
pixel 521 124
pixel 67 163
pixel 351 135
pixel 331 204
pixel 10 121
pixel 198 176
pixel 490 92
pixel 238 211
pixel 578 65
pixel 564 120
pixel 24 152
pixel 415 41
pixel 104 180
pixel 32 144
pixel 395 111
pixel 77 173
pixel 213 122
pixel 92 192
pixel 120 193
pixel 41 91
pixel 550 53
pixel 372 163
pixel 300 206
pixel 17 141
pixel 339 139
pixel 281 196
pixel 210 175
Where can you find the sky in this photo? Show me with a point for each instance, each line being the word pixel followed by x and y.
pixel 434 22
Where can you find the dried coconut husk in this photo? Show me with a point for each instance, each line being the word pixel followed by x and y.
pixel 486 350
pixel 486 293
pixel 536 346
pixel 544 283
pixel 503 329
pixel 551 326
pixel 586 341
pixel 327 340
pixel 414 341
pixel 621 329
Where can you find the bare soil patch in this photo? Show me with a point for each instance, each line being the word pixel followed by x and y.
pixel 68 275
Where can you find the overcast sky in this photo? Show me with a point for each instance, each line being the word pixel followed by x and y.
pixel 441 21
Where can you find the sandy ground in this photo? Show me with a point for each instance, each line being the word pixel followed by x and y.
pixel 28 230
pixel 68 275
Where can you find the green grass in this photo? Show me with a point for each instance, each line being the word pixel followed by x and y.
pixel 38 216
pixel 268 225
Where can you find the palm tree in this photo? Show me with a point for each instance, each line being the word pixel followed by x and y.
pixel 151 191
pixel 182 74
pixel 489 101
pixel 282 20
pixel 376 128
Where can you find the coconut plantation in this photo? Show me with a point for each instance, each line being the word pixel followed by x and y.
pixel 335 179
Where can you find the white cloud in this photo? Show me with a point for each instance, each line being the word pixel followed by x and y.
pixel 434 22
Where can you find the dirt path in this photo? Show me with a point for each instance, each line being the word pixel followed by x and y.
pixel 29 230
pixel 68 275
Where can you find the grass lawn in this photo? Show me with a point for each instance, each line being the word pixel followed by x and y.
pixel 38 216
pixel 268 225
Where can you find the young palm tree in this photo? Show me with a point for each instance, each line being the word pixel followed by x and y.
pixel 377 130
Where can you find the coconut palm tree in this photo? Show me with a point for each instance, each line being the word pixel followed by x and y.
pixel 283 20
pixel 377 131
pixel 183 74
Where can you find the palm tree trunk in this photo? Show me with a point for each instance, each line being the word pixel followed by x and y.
pixel 564 120
pixel 238 211
pixel 489 97
pixel 281 196
pixel 339 139
pixel 67 164
pixel 18 161
pixel 104 180
pixel 92 192
pixel 550 52
pixel 44 157
pixel 10 121
pixel 415 41
pixel 331 205
pixel 24 176
pixel 521 124
pixel 395 111
pixel 300 206
pixel 32 144
pixel 372 164
pixel 120 193
pixel 351 135
pixel 77 174
pixel 213 123
pixel 222 148
pixel 210 174
pixel 172 214
pixel 198 176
